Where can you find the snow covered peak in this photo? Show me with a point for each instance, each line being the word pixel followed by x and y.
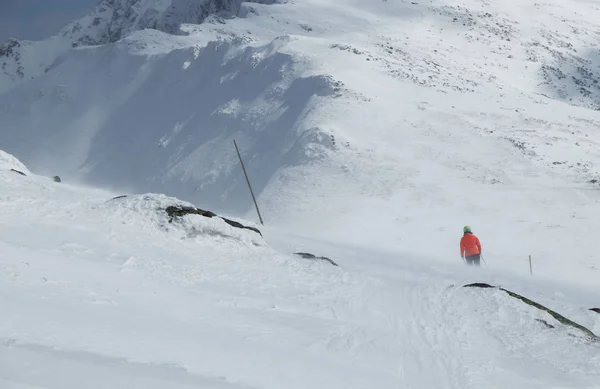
pixel 108 22
pixel 112 20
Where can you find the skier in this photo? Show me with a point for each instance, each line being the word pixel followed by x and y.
pixel 470 247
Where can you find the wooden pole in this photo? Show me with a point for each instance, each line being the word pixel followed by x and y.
pixel 248 181
pixel 530 268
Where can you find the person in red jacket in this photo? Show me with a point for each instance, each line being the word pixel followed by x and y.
pixel 470 247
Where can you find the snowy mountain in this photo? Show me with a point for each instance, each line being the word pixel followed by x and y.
pixel 408 118
pixel 113 20
pixel 110 21
pixel 372 132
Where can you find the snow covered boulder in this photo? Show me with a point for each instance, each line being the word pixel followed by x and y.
pixel 179 219
pixel 10 163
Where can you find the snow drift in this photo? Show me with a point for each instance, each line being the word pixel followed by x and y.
pixel 110 292
pixel 9 162
pixel 151 211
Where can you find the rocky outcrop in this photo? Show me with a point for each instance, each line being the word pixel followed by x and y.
pixel 315 258
pixel 560 318
pixel 544 322
pixel 109 22
pixel 180 211
pixel 479 285
pixel 112 20
pixel 18 172
pixel 174 208
pixel 10 58
pixel 597 310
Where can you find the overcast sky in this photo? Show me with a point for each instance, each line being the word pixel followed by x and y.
pixel 36 19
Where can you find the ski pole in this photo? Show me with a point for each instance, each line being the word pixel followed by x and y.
pixel 486 265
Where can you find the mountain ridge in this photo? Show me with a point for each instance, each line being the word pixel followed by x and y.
pixel 108 22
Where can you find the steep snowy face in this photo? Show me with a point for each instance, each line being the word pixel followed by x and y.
pixel 112 20
pixel 108 22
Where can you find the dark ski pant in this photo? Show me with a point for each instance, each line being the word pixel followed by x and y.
pixel 473 260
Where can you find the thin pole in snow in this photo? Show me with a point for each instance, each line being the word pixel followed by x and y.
pixel 530 267
pixel 248 181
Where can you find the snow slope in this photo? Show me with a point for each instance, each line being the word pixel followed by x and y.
pixel 101 293
pixel 381 124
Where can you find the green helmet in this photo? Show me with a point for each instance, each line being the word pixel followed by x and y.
pixel 466 229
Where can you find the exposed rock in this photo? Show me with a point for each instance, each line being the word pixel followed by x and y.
pixel 176 211
pixel 314 257
pixel 112 20
pixel 9 48
pixel 479 285
pixel 17 171
pixel 233 223
pixel 557 316
pixel 10 58
pixel 57 179
pixel 180 211
pixel 597 310
pixel 544 322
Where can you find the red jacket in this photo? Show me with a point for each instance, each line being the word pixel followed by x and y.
pixel 469 245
